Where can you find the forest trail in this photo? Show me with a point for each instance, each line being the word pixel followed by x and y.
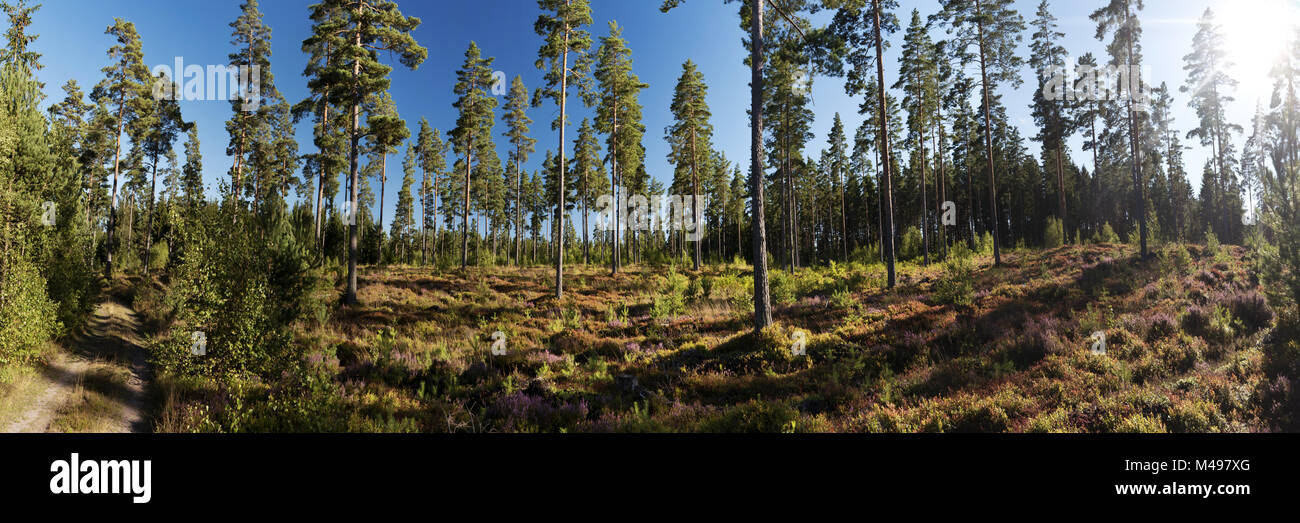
pixel 97 384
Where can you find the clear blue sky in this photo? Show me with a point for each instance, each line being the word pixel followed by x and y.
pixel 707 31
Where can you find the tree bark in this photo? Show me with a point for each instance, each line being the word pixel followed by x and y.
pixel 988 141
pixel 762 301
pixel 887 239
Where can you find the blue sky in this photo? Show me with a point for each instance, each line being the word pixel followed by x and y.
pixel 707 31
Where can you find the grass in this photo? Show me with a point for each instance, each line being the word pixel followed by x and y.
pixel 94 405
pixel 996 349
pixel 19 387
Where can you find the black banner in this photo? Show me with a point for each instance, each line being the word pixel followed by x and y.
pixel 322 473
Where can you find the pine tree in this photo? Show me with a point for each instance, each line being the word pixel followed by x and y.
pixel 691 134
pixel 1048 59
pixel 160 126
pixel 537 206
pixel 251 119
pixel 361 30
pixel 404 219
pixel 788 110
pixel 192 172
pixel 17 51
pixel 1086 114
pixel 995 28
pixel 329 157
pixel 387 131
pixel 585 170
pixel 839 167
pixel 1120 17
pixel 1211 87
pixel 560 26
pixel 433 163
pixel 473 127
pixel 862 29
pixel 517 122
pixel 918 77
pixel 126 88
pixel 618 115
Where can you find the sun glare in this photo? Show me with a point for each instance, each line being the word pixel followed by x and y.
pixel 1255 33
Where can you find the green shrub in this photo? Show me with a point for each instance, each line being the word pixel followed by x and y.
pixel 1212 246
pixel 957 287
pixel 754 416
pixel 910 247
pixel 671 300
pixel 1054 235
pixel 782 287
pixel 27 316
pixel 984 244
pixel 1196 416
pixel 1175 259
pixel 242 292
pixel 1105 235
pixel 1141 424
pixel 158 255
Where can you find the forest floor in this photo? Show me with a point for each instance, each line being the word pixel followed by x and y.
pixel 95 382
pixel 671 350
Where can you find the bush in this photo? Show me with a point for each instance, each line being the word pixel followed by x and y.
pixel 782 287
pixel 1039 338
pixel 984 244
pixel 158 255
pixel 1211 324
pixel 910 247
pixel 957 287
pixel 1105 235
pixel 1141 424
pixel 1212 246
pixel 1175 259
pixel 671 300
pixel 1054 235
pixel 1196 416
pixel 242 293
pixel 754 416
pixel 1250 309
pixel 27 316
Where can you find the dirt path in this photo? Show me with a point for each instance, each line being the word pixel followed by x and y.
pixel 97 385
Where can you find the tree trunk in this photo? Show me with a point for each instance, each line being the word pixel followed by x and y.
pixel 695 190
pixel 615 248
pixel 988 142
pixel 148 223
pixel 925 225
pixel 383 181
pixel 519 199
pixel 762 301
pixel 464 215
pixel 559 211
pixel 888 197
pixel 112 206
pixel 1138 189
pixel 351 297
